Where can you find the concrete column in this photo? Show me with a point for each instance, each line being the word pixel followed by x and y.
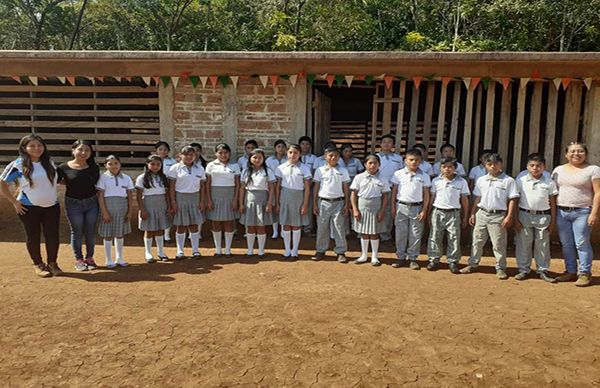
pixel 166 105
pixel 230 119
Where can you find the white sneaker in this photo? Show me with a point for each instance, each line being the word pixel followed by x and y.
pixel 122 263
pixel 361 260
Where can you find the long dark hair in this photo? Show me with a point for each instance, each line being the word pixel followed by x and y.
pixel 44 159
pixel 147 180
pixel 91 161
pixel 250 167
pixel 201 159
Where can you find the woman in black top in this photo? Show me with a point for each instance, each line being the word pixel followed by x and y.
pixel 81 204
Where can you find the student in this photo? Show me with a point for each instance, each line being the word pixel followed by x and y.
pixel 199 159
pixel 410 191
pixel 249 145
pixel 354 167
pixel 492 213
pixel 223 185
pixel 115 197
pixel 152 197
pixel 308 158
pixel 390 163
pixel 331 206
pixel 425 166
pixel 369 196
pixel 320 160
pixel 162 149
pixel 447 150
pixel 256 200
pixel 478 171
pixel 537 217
pixel 273 162
pixel 450 197
pixel 186 193
pixel 292 194
pixel 37 201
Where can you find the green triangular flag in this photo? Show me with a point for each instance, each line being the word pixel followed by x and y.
pixel 311 79
pixel 285 76
pixel 430 76
pixel 401 78
pixel 165 81
pixel 339 80
pixel 224 80
pixel 368 79
pixel 194 80
pixel 486 82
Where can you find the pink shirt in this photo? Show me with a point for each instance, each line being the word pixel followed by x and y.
pixel 575 188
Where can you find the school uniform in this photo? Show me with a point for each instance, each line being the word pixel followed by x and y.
pixel 369 190
pixel 167 163
pixel 273 163
pixel 319 162
pixel 460 169
pixel 331 202
pixel 390 162
pixel 257 195
pixel 155 204
pixel 446 217
pixel 426 167
pixel 477 172
pixel 354 167
pixel 534 215
pixel 243 162
pixel 222 189
pixel 495 192
pixel 115 189
pixel 309 160
pixel 187 181
pixel 409 203
pixel 292 178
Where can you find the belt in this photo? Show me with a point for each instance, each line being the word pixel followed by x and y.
pixel 446 210
pixel 534 212
pixel 332 199
pixel 570 209
pixel 491 211
pixel 410 203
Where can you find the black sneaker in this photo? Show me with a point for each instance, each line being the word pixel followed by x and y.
pixel 433 266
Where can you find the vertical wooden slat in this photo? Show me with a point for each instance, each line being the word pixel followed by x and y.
pixel 477 128
pixel 455 112
pixel 400 118
pixel 534 118
pixel 593 130
pixel 428 113
pixel 550 137
pixel 519 128
pixel 387 111
pixel 587 115
pixel 504 135
pixel 374 120
pixel 488 136
pixel 414 116
pixel 441 123
pixel 466 147
pixel 572 114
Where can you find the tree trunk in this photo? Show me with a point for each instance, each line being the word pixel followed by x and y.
pixel 77 25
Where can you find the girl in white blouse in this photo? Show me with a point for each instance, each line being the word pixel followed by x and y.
pixel 273 162
pixel 162 149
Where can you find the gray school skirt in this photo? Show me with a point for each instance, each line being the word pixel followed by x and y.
pixel 368 224
pixel 256 213
pixel 290 204
pixel 222 198
pixel 158 218
pixel 119 225
pixel 187 209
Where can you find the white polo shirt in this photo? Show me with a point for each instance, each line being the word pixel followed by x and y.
pixel 390 163
pixel 354 166
pixel 272 162
pixel 156 185
pixel 410 185
pixel 331 181
pixel 426 167
pixel 43 193
pixel 293 176
pixel 477 172
pixel 319 162
pixel 460 169
pixel 115 185
pixel 309 160
pixel 369 186
pixel 495 191
pixel 187 179
pixel 260 179
pixel 167 163
pixel 222 175
pixel 242 162
pixel 448 192
pixel 535 193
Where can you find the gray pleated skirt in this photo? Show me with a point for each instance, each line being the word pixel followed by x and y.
pixel 187 209
pixel 256 213
pixel 158 218
pixel 368 224
pixel 290 204
pixel 222 197
pixel 119 224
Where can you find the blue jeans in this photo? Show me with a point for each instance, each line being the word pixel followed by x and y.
pixel 575 233
pixel 82 215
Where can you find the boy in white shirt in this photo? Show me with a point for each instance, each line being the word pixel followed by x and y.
pixel 447 150
pixel 478 171
pixel 390 163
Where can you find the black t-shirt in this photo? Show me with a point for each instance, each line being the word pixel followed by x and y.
pixel 81 184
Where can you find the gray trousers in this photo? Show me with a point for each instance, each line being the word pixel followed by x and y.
pixel 489 226
pixel 388 222
pixel 535 234
pixel 331 216
pixel 448 222
pixel 408 232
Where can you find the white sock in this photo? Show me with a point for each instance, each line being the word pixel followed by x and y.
pixel 199 231
pixel 148 247
pixel 195 242
pixel 374 250
pixel 160 245
pixel 250 237
pixel 167 234
pixel 287 237
pixel 217 240
pixel 228 241
pixel 180 239
pixel 119 249
pixel 262 239
pixel 276 230
pixel 108 251
pixel 364 249
pixel 296 235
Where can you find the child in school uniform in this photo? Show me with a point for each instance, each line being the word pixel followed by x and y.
pixel 115 197
pixel 331 206
pixel 186 193
pixel 447 150
pixel 199 159
pixel 492 213
pixel 273 162
pixel 369 196
pixel 410 194
pixel 354 167
pixel 449 198
pixel 320 160
pixel 152 197
pixel 537 217
pixel 223 185
pixel 162 149
pixel 390 163
pixel 249 145
pixel 309 159
pixel 478 171
pixel 257 189
pixel 425 166
pixel 292 195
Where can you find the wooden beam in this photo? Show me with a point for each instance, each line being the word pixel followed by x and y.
pixel 535 119
pixel 441 121
pixel 466 146
pixel 488 136
pixel 374 115
pixel 77 89
pixel 572 115
pixel 455 112
pixel 79 124
pixel 75 136
pixel 519 129
pixel 428 113
pixel 400 117
pixel 78 101
pixel 414 117
pixel 504 135
pixel 78 113
pixel 477 129
pixel 593 130
pixel 387 111
pixel 550 132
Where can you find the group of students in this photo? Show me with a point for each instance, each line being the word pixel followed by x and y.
pixel 294 191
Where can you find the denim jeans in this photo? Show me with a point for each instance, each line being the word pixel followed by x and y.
pixel 82 215
pixel 574 233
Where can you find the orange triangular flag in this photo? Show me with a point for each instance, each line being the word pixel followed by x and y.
pixel 505 82
pixel 330 79
pixel 71 79
pixel 388 79
pixel 186 74
pixel 446 80
pixel 274 78
pixel 475 82
pixel 535 74
pixel 16 78
pixel 128 79
pixel 417 80
pixel 565 82
pixel 213 80
pixel 302 73
pixel 360 77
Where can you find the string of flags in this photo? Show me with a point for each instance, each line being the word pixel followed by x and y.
pixel 331 79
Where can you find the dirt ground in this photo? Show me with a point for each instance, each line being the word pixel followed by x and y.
pixel 226 322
